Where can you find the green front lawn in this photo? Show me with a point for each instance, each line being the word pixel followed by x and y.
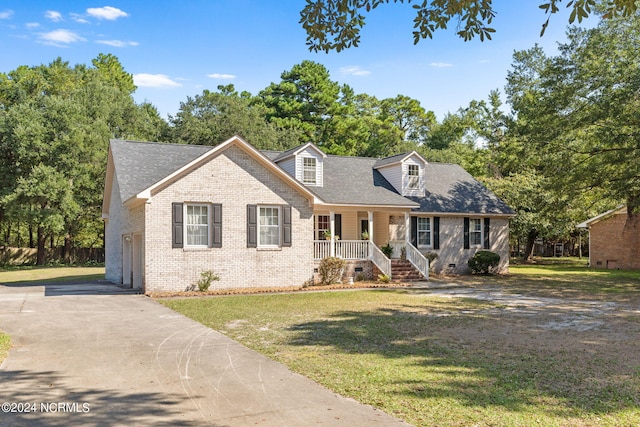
pixel 449 362
pixel 49 274
pixel 5 345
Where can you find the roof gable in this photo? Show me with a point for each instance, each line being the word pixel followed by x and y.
pixel 139 165
pixel 297 150
pixel 354 181
pixel 143 167
pixel 603 216
pixel 398 158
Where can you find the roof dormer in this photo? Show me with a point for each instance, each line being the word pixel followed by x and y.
pixel 406 172
pixel 305 163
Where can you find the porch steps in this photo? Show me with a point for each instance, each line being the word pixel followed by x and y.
pixel 404 271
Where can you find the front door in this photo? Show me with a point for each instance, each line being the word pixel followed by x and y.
pixel 137 261
pixel 126 260
pixel 364 226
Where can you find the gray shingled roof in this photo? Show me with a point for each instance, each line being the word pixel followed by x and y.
pixel 390 160
pixel 283 154
pixel 139 165
pixel 347 180
pixel 451 189
pixel 352 180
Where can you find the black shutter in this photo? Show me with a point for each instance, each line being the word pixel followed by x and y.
pixel 176 225
pixel 466 233
pixel 216 225
pixel 414 231
pixel 286 226
pixel 338 224
pixel 486 243
pixel 436 232
pixel 252 226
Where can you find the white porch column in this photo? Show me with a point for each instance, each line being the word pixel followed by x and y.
pixel 407 227
pixel 332 228
pixel 370 217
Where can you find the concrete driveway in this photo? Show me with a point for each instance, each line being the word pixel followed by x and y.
pixel 91 353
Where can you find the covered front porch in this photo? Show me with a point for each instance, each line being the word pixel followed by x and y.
pixel 356 235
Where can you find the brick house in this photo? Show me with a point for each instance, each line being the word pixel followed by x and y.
pixel 614 242
pixel 266 219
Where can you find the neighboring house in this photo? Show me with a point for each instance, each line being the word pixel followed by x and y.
pixel 265 219
pixel 613 243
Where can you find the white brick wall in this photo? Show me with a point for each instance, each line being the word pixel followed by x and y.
pixel 233 179
pixel 113 237
pixel 121 222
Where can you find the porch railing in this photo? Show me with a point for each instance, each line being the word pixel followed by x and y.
pixel 353 250
pixel 321 249
pixel 346 249
pixel 418 260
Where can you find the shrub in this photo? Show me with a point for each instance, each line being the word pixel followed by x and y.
pixel 330 270
pixel 387 250
pixel 206 277
pixel 431 256
pixel 383 278
pixel 360 277
pixel 483 262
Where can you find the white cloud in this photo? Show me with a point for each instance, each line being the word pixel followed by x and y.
pixel 32 25
pixel 441 64
pixel 107 12
pixel 154 80
pixel 117 43
pixel 53 15
pixel 354 70
pixel 60 38
pixel 79 18
pixel 221 76
pixel 6 14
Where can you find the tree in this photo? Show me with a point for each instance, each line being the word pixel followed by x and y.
pixel 213 117
pixel 55 124
pixel 573 140
pixel 579 110
pixel 409 117
pixel 336 24
pixel 306 99
pixel 43 199
pixel 340 121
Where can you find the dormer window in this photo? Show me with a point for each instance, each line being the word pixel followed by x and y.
pixel 414 176
pixel 309 174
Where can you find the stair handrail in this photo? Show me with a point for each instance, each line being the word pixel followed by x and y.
pixel 380 260
pixel 415 257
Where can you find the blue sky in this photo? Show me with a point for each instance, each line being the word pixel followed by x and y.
pixel 177 49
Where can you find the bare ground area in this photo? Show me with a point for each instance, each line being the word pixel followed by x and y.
pixel 582 347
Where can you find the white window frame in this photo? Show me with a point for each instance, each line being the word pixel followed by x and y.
pixel 413 179
pixel 320 232
pixel 187 224
pixel 475 231
pixel 428 229
pixel 312 170
pixel 278 227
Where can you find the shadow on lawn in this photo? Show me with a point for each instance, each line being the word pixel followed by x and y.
pixel 445 358
pixel 80 407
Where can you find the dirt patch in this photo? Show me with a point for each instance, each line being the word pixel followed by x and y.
pixel 584 340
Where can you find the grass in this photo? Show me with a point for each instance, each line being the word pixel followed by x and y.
pixel 451 362
pixel 560 277
pixel 5 345
pixel 49 274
